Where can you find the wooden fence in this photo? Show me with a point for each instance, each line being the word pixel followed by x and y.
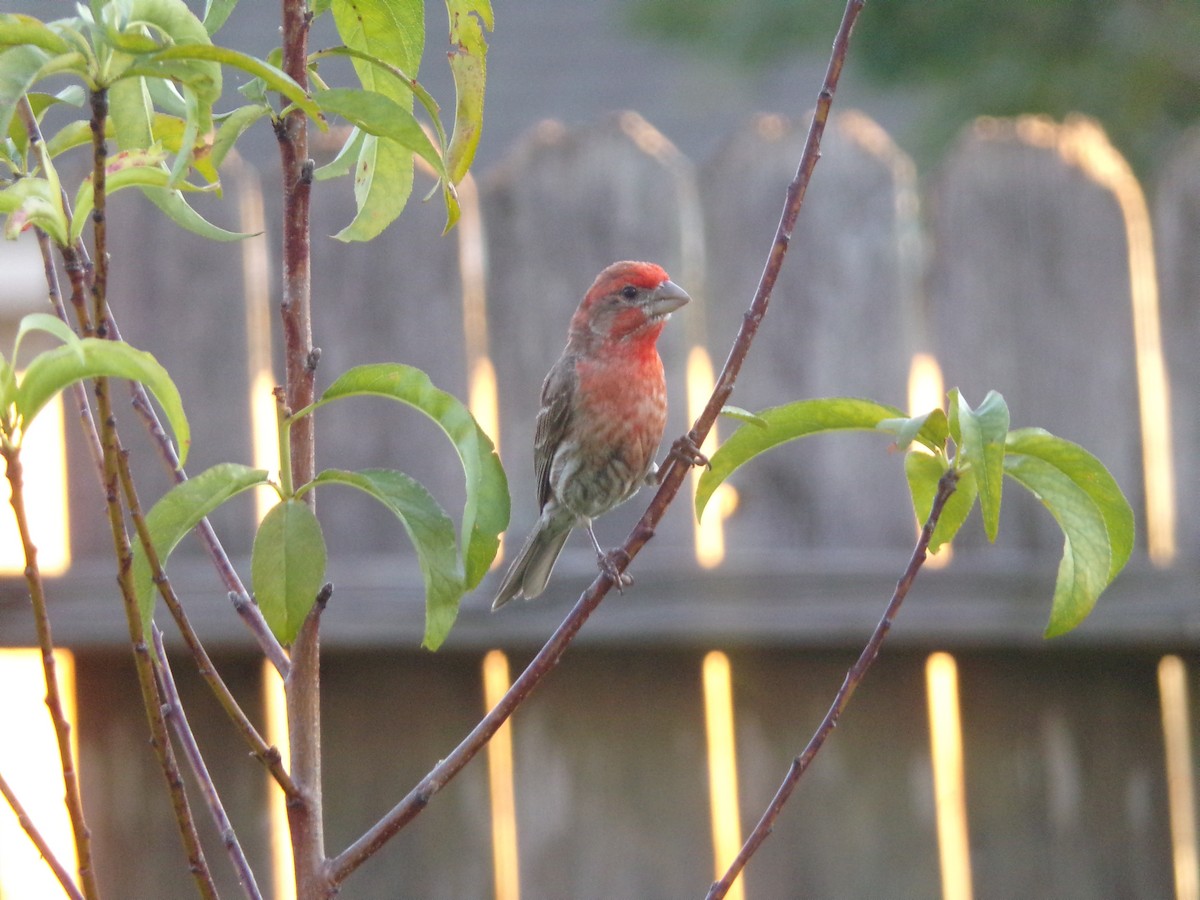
pixel 1029 263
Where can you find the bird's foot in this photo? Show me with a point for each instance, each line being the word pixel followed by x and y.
pixel 610 564
pixel 685 450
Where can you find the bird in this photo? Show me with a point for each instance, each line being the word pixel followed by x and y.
pixel 602 416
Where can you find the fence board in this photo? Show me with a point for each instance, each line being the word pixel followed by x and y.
pixel 135 840
pixel 397 298
pixel 842 322
pixel 562 207
pixel 1177 233
pixel 1065 787
pixel 388 718
pixel 612 794
pixel 840 835
pixel 1029 287
pixel 1029 295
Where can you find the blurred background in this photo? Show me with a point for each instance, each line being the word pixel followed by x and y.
pixel 1009 199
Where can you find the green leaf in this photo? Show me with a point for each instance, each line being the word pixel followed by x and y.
pixel 743 415
pixel 232 127
pixel 274 78
pixel 171 18
pixel 181 213
pixel 37 202
pixel 931 429
pixel 129 168
pixel 47 323
pixel 215 14
pixel 390 30
pixel 1089 474
pixel 8 394
pixel 924 471
pixel 468 63
pixel 73 134
pixel 131 113
pixel 19 29
pixel 1087 556
pixel 346 160
pixel 400 77
pixel 188 139
pixel 786 423
pixel 19 67
pixel 53 370
pixel 174 21
pixel 485 515
pixel 383 177
pixel 378 115
pixel 432 534
pixel 180 510
pixel 288 566
pixel 983 432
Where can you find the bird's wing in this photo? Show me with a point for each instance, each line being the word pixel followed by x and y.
pixel 558 399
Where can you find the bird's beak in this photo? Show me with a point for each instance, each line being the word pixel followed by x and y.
pixel 665 299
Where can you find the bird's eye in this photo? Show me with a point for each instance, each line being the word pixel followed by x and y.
pixel 629 292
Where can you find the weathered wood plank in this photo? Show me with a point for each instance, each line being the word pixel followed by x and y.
pixel 1066 795
pixel 1030 295
pixel 135 840
pixel 843 322
pixel 612 795
pixel 861 821
pixel 1177 234
pixel 388 719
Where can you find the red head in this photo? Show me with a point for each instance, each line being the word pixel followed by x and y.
pixel 628 301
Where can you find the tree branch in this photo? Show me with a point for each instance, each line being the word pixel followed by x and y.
pixel 267 755
pixel 854 677
pixel 183 730
pixel 111 445
pixel 62 728
pixel 39 842
pixel 302 686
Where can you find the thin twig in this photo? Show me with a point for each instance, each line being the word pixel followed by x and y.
pixel 251 615
pixel 547 658
pixel 110 443
pixel 191 750
pixel 41 619
pixel 39 842
pixel 854 677
pixel 38 148
pixel 269 756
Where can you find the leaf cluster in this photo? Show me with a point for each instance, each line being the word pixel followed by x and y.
pixel 162 75
pixel 77 359
pixel 1085 500
pixel 289 556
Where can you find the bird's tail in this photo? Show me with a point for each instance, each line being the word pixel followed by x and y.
pixel 529 572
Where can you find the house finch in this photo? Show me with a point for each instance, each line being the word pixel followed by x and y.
pixel 604 407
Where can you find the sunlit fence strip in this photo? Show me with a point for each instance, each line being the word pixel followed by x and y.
pixel 505 859
pixel 950 800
